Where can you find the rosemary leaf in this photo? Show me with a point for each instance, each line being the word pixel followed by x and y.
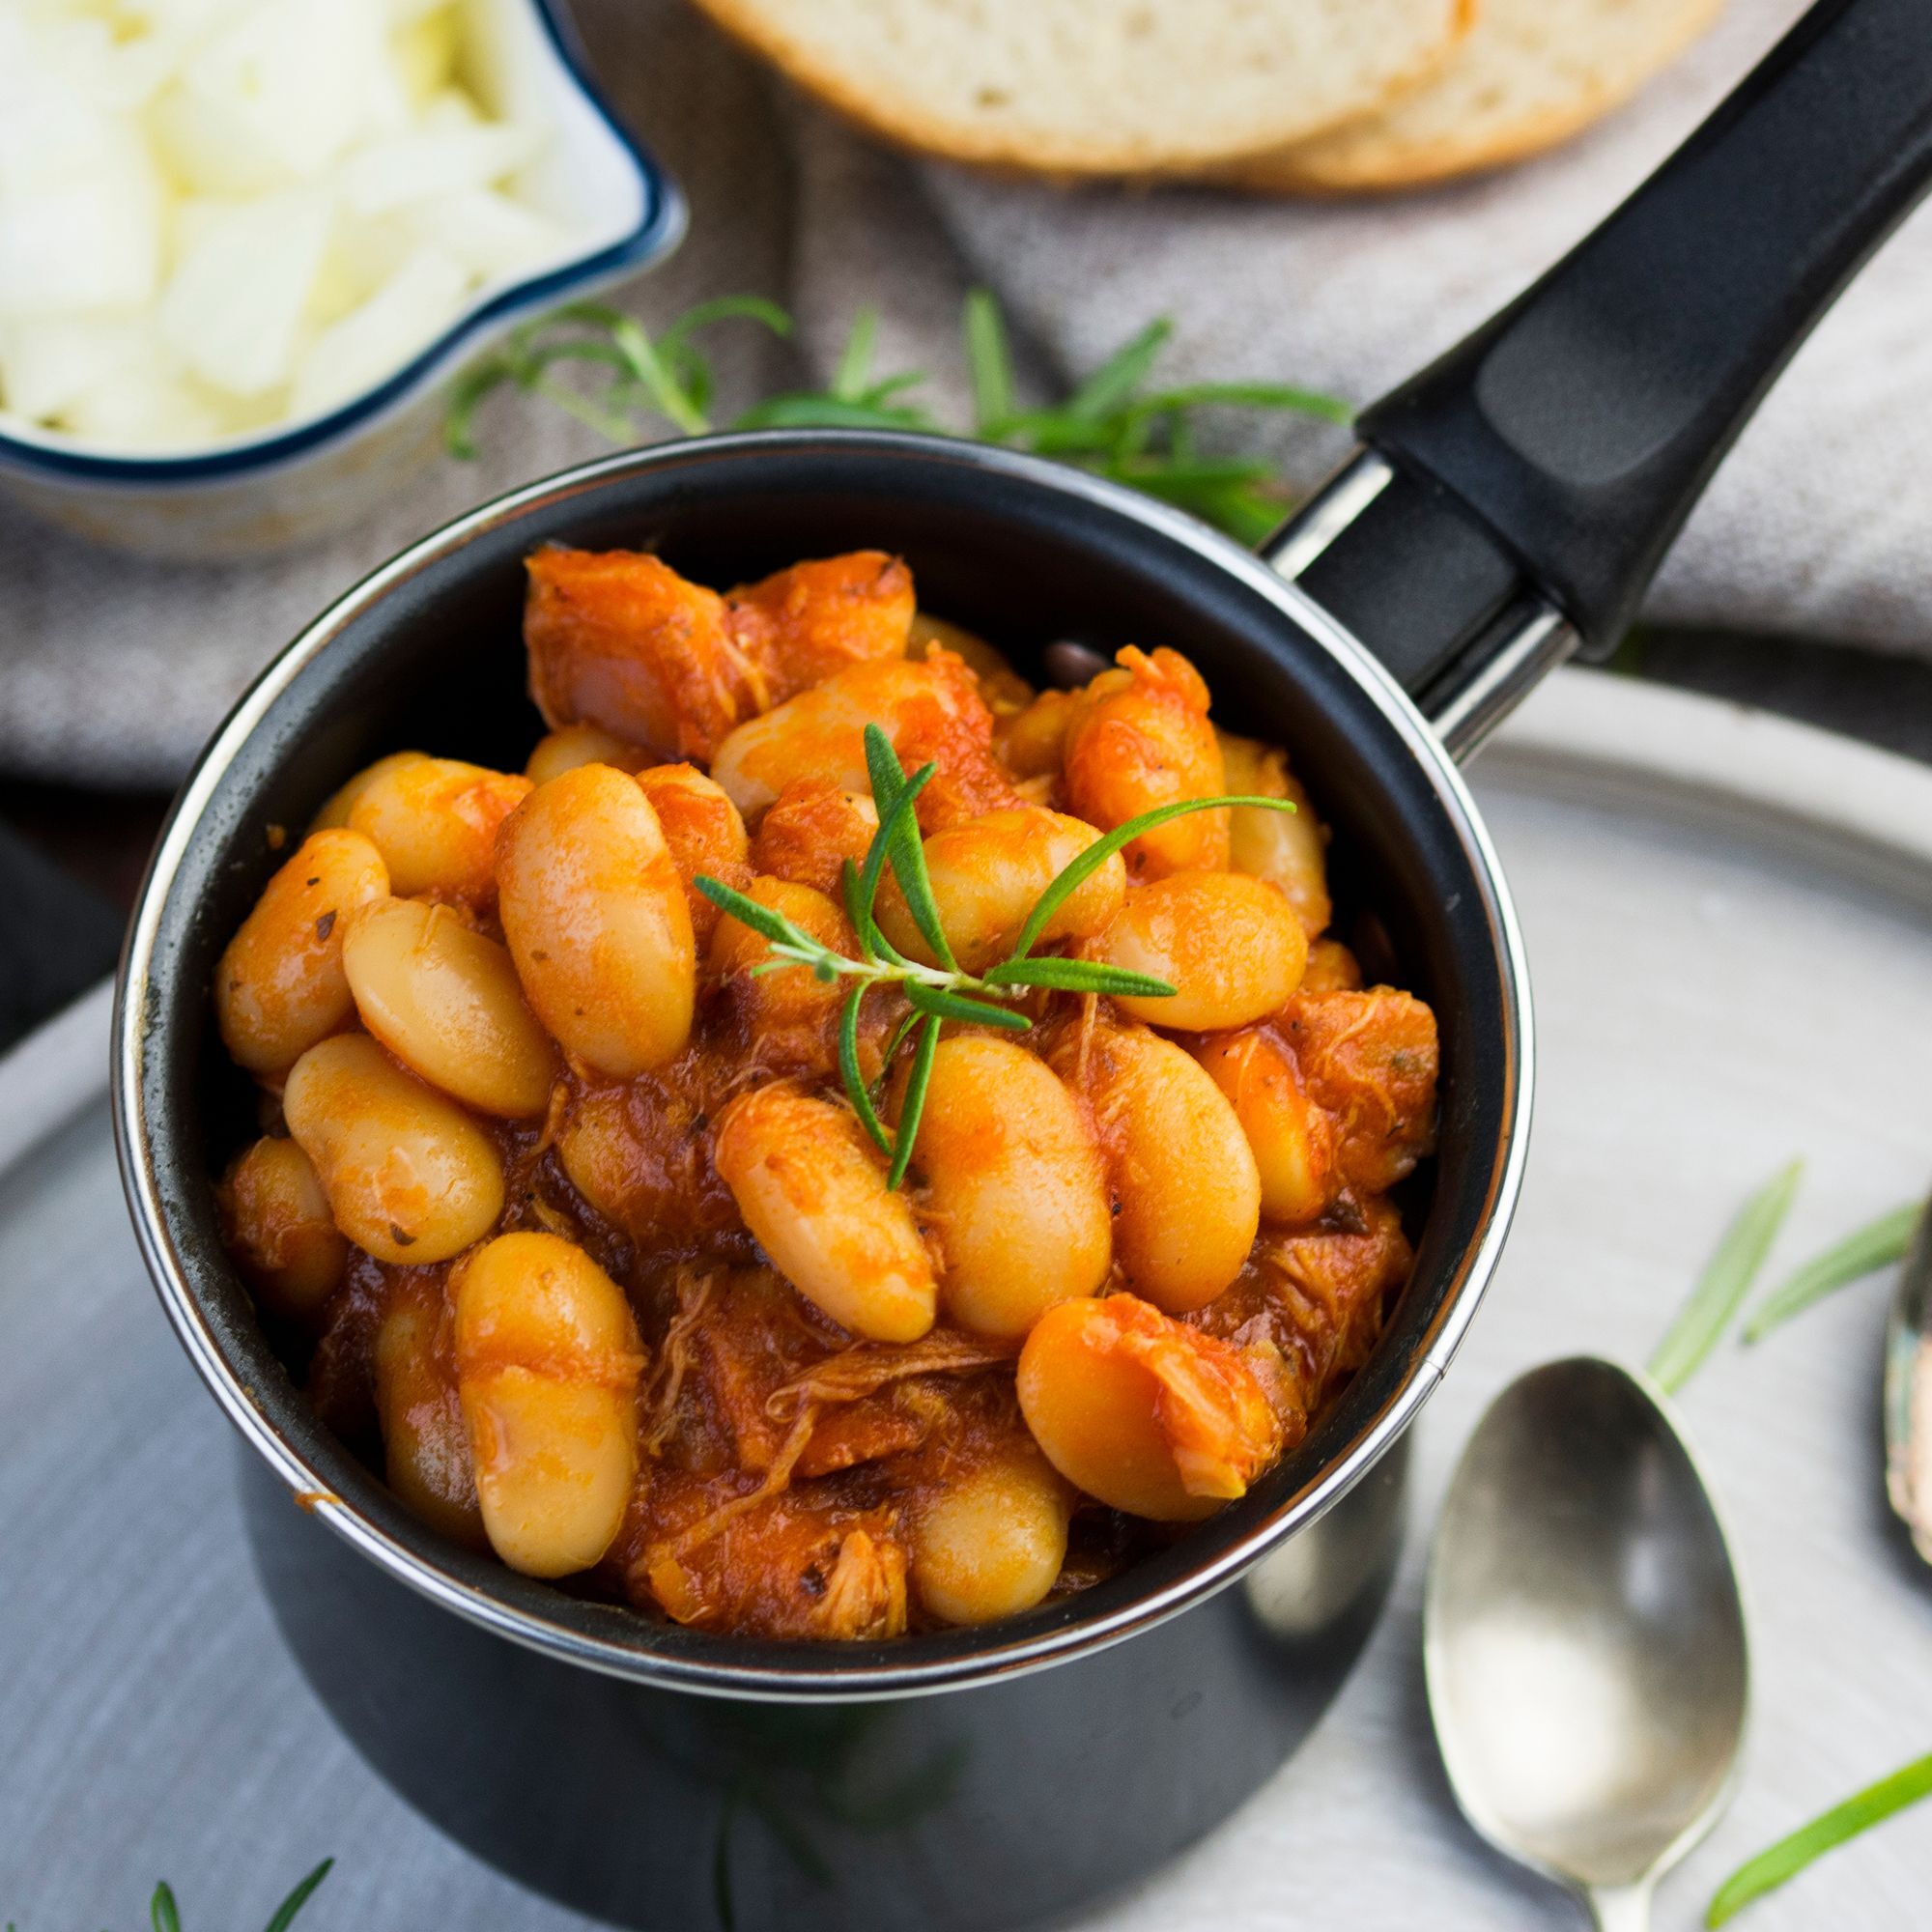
pixel 859 899
pixel 861 893
pixel 914 1107
pixel 893 793
pixel 1874 1246
pixel 1079 870
pixel 848 1071
pixel 1079 976
pixel 1112 383
pixel 466 395
pixel 1244 396
pixel 990 362
pixel 285 1912
pixel 646 364
pixel 897 1039
pixel 859 907
pixel 1725 1281
pixel 939 1005
pixel 675 339
pixel 1860 1812
pixel 775 926
pixel 1056 433
pixel 162 1912
pixel 855 364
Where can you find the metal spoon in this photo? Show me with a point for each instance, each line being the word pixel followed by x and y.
pixel 1908 1393
pixel 1584 1637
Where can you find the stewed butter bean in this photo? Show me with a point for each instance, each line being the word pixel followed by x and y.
pixel 1331 969
pixel 1294 1140
pixel 435 822
pixel 703 832
pixel 572 745
pixel 445 1001
pixel 597 922
pixel 1182 1174
pixel 425 1440
pixel 547 1360
pixel 1287 848
pixel 988 874
pixel 410 1176
pixel 1142 1411
pixel 788 1008
pixel 338 806
pixel 1015 1185
pixel 991 1543
pixel 814 1193
pixel 1229 945
pixel 276 1219
pixel 279 988
pixel 821 732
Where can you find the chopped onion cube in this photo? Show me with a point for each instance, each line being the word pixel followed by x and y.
pixel 413 167
pixel 49 365
pixel 370 342
pixel 492 233
pixel 88 241
pixel 234 302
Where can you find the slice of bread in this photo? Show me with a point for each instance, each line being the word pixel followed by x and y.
pixel 1530 73
pixel 1100 87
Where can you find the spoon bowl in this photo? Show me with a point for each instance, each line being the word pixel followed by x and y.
pixel 1584 1637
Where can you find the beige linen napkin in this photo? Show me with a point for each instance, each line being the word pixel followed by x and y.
pixel 113 671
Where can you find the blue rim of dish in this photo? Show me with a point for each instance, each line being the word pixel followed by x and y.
pixel 659 226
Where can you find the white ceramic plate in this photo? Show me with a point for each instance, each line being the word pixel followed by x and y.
pixel 1729 920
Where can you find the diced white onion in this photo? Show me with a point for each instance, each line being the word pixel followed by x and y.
pixel 413 306
pixel 220 214
pixel 416 166
pixel 237 298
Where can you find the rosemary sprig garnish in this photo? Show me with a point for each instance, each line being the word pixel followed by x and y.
pixel 1725 1281
pixel 1783 1861
pixel 1111 423
pixel 946 991
pixel 1878 1244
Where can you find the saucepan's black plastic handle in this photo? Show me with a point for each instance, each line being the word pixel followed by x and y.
pixel 1580 425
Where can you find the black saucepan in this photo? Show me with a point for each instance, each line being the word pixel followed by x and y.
pixel 1509 506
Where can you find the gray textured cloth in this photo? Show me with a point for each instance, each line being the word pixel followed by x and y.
pixel 114 672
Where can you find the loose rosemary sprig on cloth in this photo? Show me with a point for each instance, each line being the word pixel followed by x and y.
pixel 944 992
pixel 1111 423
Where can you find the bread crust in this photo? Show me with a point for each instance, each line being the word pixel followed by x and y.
pixel 1350 159
pixel 1068 161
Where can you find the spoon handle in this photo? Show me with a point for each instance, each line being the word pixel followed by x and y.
pixel 1620 1908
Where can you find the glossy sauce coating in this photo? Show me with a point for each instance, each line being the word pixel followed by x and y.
pixel 599 1262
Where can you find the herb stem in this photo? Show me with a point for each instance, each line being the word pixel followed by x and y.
pixel 567 399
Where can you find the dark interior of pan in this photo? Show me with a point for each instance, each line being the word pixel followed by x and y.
pixel 1020 552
